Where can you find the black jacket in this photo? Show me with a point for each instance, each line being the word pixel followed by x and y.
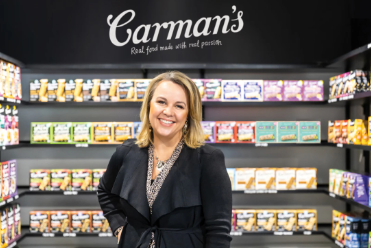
pixel 192 210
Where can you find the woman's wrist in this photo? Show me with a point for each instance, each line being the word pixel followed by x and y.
pixel 117 231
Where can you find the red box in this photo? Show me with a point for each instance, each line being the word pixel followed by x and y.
pixel 244 132
pixel 225 131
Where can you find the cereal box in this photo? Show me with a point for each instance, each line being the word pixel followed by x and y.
pixel 246 220
pixel 331 133
pixel 225 131
pixel 245 132
pixel 61 133
pixel 201 87
pixel 232 90
pixel 306 178
pixel 266 132
pixel 126 89
pixel 213 90
pixel 9 82
pixel 335 224
pixel 286 220
pixel 10 220
pixel 245 179
pixel 344 187
pixel 306 220
pixel 265 178
pixel 52 90
pixel 17 220
pixel 4 228
pixel 339 85
pixel 82 180
pixel 364 133
pixel 137 127
pixel 97 175
pixel 15 127
pixel 102 132
pixel 252 90
pixel 8 125
pixel 313 90
pixel 100 223
pixel 141 88
pixel 81 221
pixel 81 132
pixel 288 131
pixel 41 132
pixel 273 90
pixel 5 180
pixel 39 222
pixel 293 90
pixel 231 173
pixel 13 178
pixel 285 178
pixel 265 220
pixel 60 180
pixel 122 131
pixel 208 128
pixel 309 132
pixel 39 180
pixel 60 222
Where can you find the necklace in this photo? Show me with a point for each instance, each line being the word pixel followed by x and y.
pixel 160 163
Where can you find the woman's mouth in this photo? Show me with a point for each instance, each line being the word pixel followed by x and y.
pixel 166 122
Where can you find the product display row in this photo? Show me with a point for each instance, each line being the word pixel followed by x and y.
pixel 8 176
pixel 10 224
pixel 10 81
pixel 65 180
pixel 247 220
pixel 62 221
pixel 348 83
pixel 113 90
pixel 272 178
pixel 9 120
pixel 355 132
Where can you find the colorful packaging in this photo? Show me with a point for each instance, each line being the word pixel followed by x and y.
pixel 97 175
pixel 369 131
pixel 339 85
pixel 78 95
pixel 81 221
pixel 141 88
pixel 8 125
pixel 285 178
pixel 245 179
pixel 364 232
pixel 232 90
pixel 344 183
pixel 208 128
pixel 273 90
pixel 35 86
pixel 335 224
pixel 61 133
pixel 265 220
pixel 351 186
pixel 100 223
pixel 3 76
pixel 331 132
pixel 39 222
pixel 60 221
pixel 201 87
pixel 61 94
pixel 266 132
pixel 213 90
pixel 39 180
pixel 5 180
pixel 306 220
pixel 337 131
pixel 82 180
pixel 15 127
pixel 13 178
pixel 352 232
pixel 231 173
pixel 87 87
pixel 332 180
pixel 102 132
pixel 225 131
pixel 70 86
pixel 9 82
pixel 60 180
pixel 126 89
pixel 105 87
pixel 288 131
pixel 310 132
pixel 52 90
pixel 81 132
pixel 233 221
pixel 41 132
pixel 2 125
pixel 10 220
pixel 364 133
pixel 95 91
pixel 355 128
pixel 344 132
pixel 17 84
pixel 252 90
pixel 17 220
pixel 246 220
pixel 286 220
pixel 361 191
pixel 293 90
pixel 245 132
pixel 137 127
pixel 265 178
pixel 306 178
pixel 4 229
pixel 122 131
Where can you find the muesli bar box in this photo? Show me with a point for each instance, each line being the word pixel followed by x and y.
pixel 60 221
pixel 82 180
pixel 41 132
pixel 81 132
pixel 245 132
pixel 213 90
pixel 306 220
pixel 61 133
pixel 288 131
pixel 39 180
pixel 39 221
pixel 286 220
pixel 246 220
pixel 137 127
pixel 225 131
pixel 209 131
pixel 60 180
pixel 126 89
pixel 200 84
pixel 81 221
pixel 122 131
pixel 232 90
pixel 97 175
pixel 292 90
pixel 99 223
pixel 266 131
pixel 141 88
pixel 265 220
pixel 310 132
pixel 102 133
pixel 273 90
pixel 313 90
pixel 13 178
pixel 252 91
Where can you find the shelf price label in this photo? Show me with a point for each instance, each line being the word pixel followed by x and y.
pixel 339 145
pixel 331 100
pixel 69 234
pixel 307 233
pixel 48 235
pixel 283 233
pixel 236 233
pixel 70 193
pixel 10 200
pixel 105 235
pixel 12 244
pixel 82 145
pixel 332 195
pixel 339 244
pixel 261 144
pixel 2 203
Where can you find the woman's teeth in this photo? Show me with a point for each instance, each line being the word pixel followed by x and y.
pixel 166 122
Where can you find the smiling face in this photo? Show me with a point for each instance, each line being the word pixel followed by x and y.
pixel 168 110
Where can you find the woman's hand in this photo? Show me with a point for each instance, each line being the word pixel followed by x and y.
pixel 119 235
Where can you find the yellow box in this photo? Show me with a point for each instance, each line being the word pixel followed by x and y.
pixel 354 131
pixel 364 133
pixel 306 220
pixel 43 92
pixel 286 220
pixel 122 131
pixel 285 178
pixel 246 220
pixel 125 89
pixel 369 133
pixel 335 224
pixel 265 178
pixel 306 178
pixel 266 220
pixel 102 133
pixel 245 178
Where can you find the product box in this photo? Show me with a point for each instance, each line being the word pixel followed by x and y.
pixel 8 125
pixel 285 178
pixel 342 229
pixel 369 131
pixel 313 90
pixel 78 95
pixel 337 131
pixel 97 175
pixel 208 128
pixel 361 191
pixel 352 233
pixel 352 88
pixel 364 133
pixel 52 90
pixel 100 223
pixel 273 90
pixel 351 184
pixel 344 132
pixel 306 220
pixel 61 133
pixel 3 76
pixel 87 87
pixel 10 220
pixel 355 131
pixel 60 180
pixel 60 221
pixel 102 133
pixel 245 220
pixel 332 180
pixel 232 174
pixel 4 228
pixel 82 180
pixel 306 178
pixel 61 94
pixel 81 221
pixel 105 86
pixel 266 131
pixel 39 222
pixel 288 131
pixel 232 90
pixel 339 85
pixel 35 86
pixel 122 131
pixel 2 125
pixel 245 132
pixel 364 233
pixel 331 132
pixel 39 180
pixel 344 183
pixel 200 84
pixel 41 132
pixel 9 82
pixel 252 91
pixel 265 220
pixel 293 90
pixel 335 224
pixel 70 86
pixel 13 178
pixel 225 131
pixel 81 132
pixel 95 91
pixel 17 84
pixel 15 127
pixel 126 89
pixel 137 127
pixel 245 179
pixel 5 180
pixel 265 178
pixel 233 221
pixel 141 88
pixel 286 220
pixel 17 220
pixel 309 132
pixel 213 90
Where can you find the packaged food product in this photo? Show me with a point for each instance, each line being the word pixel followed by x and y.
pixel 87 87
pixel 208 128
pixel 9 81
pixel 60 91
pixel 293 90
pixel 15 127
pixel 285 178
pixel 355 131
pixel 225 131
pixel 344 183
pixel 346 84
pixel 137 127
pixel 5 180
pixel 70 86
pixel 41 132
pixel 342 230
pixel 95 91
pixel 361 190
pixel 364 133
pixel 364 232
pixel 17 84
pixel 78 92
pixel 97 175
pixel 8 131
pixel 352 84
pixel 233 221
pixel 141 88
pixel 201 87
pixel 60 221
pixel 337 131
pixel 81 132
pixel 43 92
pixel 335 224
pixel 331 133
pixel 13 178
pixel 105 86
pixel 80 221
pixel 60 180
pixel 100 223
pixel 309 132
pixel 265 220
pixel 122 131
pixel 252 90
pixel 246 220
pixel 306 220
pixel 35 86
pixel 369 131
pixel 61 133
pixel 10 220
pixel 351 187
pixel 353 232
pixel 39 180
pixel 82 180
pixel 39 222
pixel 313 90
pixel 232 90
pixel 245 179
pixel 339 85
pixel 332 180
pixel 306 178
pixel 231 173
pixel 126 89
pixel 213 90
pixel 3 76
pixel 17 220
pixel 4 228
pixel 288 131
pixel 245 132
pixel 102 132
pixel 2 125
pixel 52 90
pixel 344 132
pixel 286 220
pixel 265 178
pixel 266 131
pixel 273 90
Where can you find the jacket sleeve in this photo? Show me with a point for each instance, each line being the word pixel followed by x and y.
pixel 216 194
pixel 110 203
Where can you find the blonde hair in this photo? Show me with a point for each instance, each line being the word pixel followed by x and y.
pixel 194 136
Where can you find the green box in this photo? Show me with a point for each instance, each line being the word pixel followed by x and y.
pixel 310 132
pixel 266 131
pixel 81 133
pixel 41 132
pixel 288 131
pixel 61 133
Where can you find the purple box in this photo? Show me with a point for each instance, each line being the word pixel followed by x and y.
pixel 293 90
pixel 213 90
pixel 313 90
pixel 13 178
pixel 344 185
pixel 209 131
pixel 10 223
pixel 361 189
pixel 273 90
pixel 351 184
pixel 17 220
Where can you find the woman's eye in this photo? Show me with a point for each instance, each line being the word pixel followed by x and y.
pixel 180 106
pixel 161 102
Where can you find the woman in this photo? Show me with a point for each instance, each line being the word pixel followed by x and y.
pixel 167 189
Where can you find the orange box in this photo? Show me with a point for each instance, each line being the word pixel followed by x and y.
pixel 337 131
pixel 100 223
pixel 81 221
pixel 122 131
pixel 39 221
pixel 245 132
pixel 60 221
pixel 225 131
pixel 102 133
pixel 344 132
